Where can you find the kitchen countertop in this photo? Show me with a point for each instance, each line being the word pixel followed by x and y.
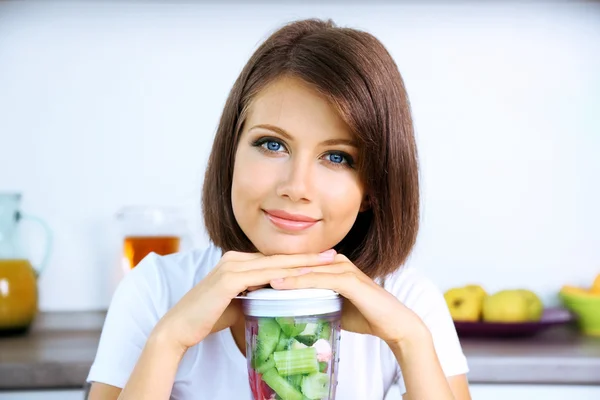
pixel 59 349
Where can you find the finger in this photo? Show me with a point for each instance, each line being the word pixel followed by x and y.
pixel 240 256
pixel 338 268
pixel 253 288
pixel 260 278
pixel 341 258
pixel 288 261
pixel 345 283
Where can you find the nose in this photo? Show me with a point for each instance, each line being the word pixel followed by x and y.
pixel 296 180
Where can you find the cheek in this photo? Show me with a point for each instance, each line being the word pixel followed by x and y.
pixel 252 179
pixel 342 199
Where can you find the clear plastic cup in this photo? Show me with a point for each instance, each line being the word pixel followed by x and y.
pixel 292 343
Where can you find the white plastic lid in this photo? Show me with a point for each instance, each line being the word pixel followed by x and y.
pixel 290 303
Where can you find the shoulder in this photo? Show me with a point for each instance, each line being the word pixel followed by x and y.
pixel 417 292
pixel 412 287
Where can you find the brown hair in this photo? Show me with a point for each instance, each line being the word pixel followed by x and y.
pixel 360 78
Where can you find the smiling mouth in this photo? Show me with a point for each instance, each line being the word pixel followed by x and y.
pixel 288 224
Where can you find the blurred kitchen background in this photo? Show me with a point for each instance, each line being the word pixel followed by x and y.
pixel 110 104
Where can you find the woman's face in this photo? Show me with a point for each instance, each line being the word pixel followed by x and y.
pixel 295 187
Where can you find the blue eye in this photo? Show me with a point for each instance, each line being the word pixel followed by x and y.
pixel 269 145
pixel 336 158
pixel 273 146
pixel 340 159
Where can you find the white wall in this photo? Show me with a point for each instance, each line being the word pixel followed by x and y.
pixel 103 105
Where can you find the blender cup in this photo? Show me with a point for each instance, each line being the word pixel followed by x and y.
pixel 292 343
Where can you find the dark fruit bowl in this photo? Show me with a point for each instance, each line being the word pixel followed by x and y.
pixel 552 317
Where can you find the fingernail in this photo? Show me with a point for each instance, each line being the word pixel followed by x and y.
pixel 327 255
pixel 277 281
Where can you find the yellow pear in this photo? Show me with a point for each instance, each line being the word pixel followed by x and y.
pixel 464 304
pixel 477 290
pixel 511 306
pixel 535 307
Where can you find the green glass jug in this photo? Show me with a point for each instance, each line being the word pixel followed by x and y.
pixel 18 277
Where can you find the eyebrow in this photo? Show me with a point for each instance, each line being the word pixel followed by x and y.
pixel 282 132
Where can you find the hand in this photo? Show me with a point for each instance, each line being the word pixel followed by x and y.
pixel 368 308
pixel 208 306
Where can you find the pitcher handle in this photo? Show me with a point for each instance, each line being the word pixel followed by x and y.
pixel 49 239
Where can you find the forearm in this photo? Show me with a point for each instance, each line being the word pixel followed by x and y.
pixel 423 376
pixel 154 373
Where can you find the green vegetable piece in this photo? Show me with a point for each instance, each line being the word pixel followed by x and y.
pixel 315 386
pixel 281 386
pixel 284 342
pixel 266 365
pixel 307 340
pixel 309 335
pixel 266 340
pixel 290 327
pixel 310 329
pixel 323 366
pixel 294 344
pixel 295 380
pixel 297 361
pixel 324 330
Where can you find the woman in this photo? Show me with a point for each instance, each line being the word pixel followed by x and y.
pixel 312 183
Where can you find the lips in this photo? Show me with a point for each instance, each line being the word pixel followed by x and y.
pixel 288 221
pixel 289 216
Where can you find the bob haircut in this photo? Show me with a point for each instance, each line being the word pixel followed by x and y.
pixel 355 72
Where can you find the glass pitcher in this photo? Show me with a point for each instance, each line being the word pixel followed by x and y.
pixel 18 278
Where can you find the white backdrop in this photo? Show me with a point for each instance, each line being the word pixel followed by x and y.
pixel 103 105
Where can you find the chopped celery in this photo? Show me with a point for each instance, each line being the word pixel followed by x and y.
pixel 294 344
pixel 297 361
pixel 266 365
pixel 282 387
pixel 295 380
pixel 284 342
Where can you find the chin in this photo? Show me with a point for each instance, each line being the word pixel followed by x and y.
pixel 286 246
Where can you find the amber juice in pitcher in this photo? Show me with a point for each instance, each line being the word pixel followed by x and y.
pixel 18 295
pixel 18 278
pixel 135 248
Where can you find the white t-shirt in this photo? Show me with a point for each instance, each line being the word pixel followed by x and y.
pixel 216 369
